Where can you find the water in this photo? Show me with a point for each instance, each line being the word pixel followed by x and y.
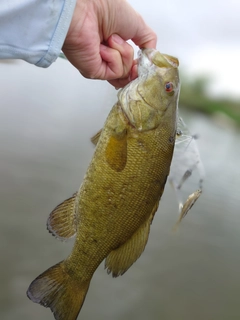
pixel 46 120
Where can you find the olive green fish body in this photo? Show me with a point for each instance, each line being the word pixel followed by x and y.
pixel 121 201
pixel 114 207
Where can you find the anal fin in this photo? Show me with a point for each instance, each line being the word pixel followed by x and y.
pixel 62 222
pixel 121 259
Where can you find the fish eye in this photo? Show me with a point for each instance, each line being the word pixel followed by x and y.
pixel 169 87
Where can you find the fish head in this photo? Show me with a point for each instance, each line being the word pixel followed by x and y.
pixel 153 97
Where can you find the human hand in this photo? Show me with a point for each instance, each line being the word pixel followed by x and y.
pixel 96 40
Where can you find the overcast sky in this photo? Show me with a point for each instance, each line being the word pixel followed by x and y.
pixel 204 35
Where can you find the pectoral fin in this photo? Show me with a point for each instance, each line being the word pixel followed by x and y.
pixel 121 259
pixel 116 151
pixel 62 220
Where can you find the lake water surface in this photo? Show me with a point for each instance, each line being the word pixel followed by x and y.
pixel 46 120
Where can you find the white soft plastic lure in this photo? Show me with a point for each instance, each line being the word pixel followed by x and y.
pixel 187 171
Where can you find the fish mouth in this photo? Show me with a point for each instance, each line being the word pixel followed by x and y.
pixel 172 60
pixel 136 99
pixel 159 59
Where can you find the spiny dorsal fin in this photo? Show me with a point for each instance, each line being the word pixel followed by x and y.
pixel 96 137
pixel 121 259
pixel 62 221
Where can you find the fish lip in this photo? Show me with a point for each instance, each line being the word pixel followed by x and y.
pixel 172 60
pixel 166 61
pixel 145 60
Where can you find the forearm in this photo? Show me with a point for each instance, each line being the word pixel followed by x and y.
pixel 34 30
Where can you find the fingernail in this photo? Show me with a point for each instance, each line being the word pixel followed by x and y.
pixel 117 39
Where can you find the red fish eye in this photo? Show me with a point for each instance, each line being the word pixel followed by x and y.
pixel 169 87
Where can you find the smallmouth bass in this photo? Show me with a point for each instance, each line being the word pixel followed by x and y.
pixel 112 212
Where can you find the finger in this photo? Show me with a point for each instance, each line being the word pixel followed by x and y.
pixel 102 63
pixel 111 66
pixel 134 70
pixel 126 52
pixel 120 83
pixel 145 37
pixel 130 25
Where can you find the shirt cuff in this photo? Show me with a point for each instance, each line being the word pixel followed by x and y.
pixel 59 35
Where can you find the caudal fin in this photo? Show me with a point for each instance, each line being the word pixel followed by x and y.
pixel 57 290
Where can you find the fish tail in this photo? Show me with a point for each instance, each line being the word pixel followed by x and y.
pixel 58 290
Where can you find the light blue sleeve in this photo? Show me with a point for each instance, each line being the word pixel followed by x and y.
pixel 34 30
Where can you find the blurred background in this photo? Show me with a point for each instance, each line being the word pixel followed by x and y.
pixel 47 117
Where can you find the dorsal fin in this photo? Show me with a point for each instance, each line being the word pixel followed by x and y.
pixel 62 222
pixel 96 137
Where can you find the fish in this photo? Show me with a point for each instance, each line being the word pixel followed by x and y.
pixel 111 214
pixel 192 198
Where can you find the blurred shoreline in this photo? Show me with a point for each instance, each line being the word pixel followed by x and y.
pixel 194 96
